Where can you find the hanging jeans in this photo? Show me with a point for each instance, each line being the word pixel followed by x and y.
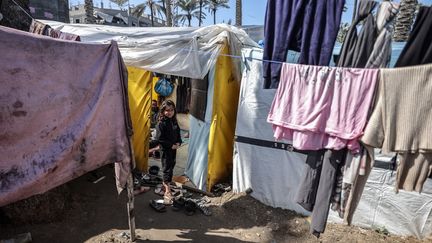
pixel 317 183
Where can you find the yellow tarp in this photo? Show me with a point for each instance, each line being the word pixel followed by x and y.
pixel 140 95
pixel 225 102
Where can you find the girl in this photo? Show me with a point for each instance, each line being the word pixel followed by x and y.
pixel 168 137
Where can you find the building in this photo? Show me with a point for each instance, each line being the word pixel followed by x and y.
pixel 114 17
pixel 57 10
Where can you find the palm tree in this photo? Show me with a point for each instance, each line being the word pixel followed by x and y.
pixel 238 12
pixel 404 19
pixel 166 7
pixel 214 5
pixel 88 6
pixel 201 4
pixel 152 5
pixel 119 3
pixel 190 9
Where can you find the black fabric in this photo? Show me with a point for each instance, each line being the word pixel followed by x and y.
pixel 310 178
pixel 268 144
pixel 198 103
pixel 317 184
pixel 183 95
pixel 167 133
pixel 418 49
pixel 357 47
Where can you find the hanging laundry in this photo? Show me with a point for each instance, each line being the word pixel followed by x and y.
pixel 40 28
pixel 183 95
pixel 402 122
pixel 357 47
pixel 309 27
pixel 381 51
pixel 418 49
pixel 198 101
pixel 322 107
pixel 37 27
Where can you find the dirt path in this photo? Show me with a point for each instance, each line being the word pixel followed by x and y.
pixel 96 214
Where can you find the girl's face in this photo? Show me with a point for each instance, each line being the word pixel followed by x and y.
pixel 169 111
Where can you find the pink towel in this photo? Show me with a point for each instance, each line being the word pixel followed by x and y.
pixel 322 107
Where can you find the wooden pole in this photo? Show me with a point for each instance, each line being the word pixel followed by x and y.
pixel 130 207
pixel 130 192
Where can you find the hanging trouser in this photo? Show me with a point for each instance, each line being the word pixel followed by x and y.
pixel 308 26
pixel 168 160
pixel 418 49
pixel 333 159
pixel 317 185
pixel 306 193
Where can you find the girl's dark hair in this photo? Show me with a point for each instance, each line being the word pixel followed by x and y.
pixel 163 107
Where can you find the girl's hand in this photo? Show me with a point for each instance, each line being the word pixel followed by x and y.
pixel 175 146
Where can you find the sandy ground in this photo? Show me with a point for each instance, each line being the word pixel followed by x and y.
pixel 95 213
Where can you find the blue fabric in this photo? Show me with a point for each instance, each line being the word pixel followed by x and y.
pixel 307 26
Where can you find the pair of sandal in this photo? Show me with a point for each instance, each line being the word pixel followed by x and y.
pixel 159 207
pixel 188 205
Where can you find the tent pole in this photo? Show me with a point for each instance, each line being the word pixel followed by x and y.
pixel 130 207
pixel 130 192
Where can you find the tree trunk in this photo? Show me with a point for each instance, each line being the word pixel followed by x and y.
pixel 168 13
pixel 88 6
pixel 238 12
pixel 214 16
pixel 189 20
pixel 13 16
pixel 404 20
pixel 200 12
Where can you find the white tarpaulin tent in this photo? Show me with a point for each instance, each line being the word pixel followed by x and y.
pixel 273 174
pixel 181 51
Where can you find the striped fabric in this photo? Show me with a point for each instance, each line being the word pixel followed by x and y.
pixel 402 122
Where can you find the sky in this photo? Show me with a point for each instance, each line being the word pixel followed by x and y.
pixel 253 11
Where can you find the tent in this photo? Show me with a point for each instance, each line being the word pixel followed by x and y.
pixel 187 52
pixel 272 171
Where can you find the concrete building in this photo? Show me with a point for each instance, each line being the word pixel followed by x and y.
pixel 114 17
pixel 57 10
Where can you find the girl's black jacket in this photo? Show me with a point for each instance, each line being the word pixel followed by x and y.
pixel 168 133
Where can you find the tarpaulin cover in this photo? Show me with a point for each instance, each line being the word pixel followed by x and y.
pixel 140 95
pixel 199 131
pixel 221 140
pixel 63 112
pixel 272 174
pixel 404 213
pixel 180 51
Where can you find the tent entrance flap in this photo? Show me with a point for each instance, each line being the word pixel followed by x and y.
pixel 221 141
pixel 140 95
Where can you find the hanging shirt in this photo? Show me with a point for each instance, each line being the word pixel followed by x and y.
pixel 322 107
